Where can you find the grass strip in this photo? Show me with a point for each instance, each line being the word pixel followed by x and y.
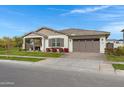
pixel 115 58
pixel 118 66
pixel 21 58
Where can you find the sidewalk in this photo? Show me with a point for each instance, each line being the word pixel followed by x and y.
pixel 23 56
pixel 116 62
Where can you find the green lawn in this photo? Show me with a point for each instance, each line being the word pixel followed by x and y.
pixel 21 59
pixel 115 58
pixel 24 53
pixel 118 66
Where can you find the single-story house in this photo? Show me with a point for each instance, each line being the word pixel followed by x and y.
pixel 76 40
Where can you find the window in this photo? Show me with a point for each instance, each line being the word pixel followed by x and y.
pixel 56 42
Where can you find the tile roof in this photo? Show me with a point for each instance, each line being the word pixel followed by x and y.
pixel 69 32
pixel 79 32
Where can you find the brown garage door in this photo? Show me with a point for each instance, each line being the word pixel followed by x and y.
pixel 86 45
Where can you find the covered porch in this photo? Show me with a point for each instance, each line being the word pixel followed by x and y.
pixel 33 43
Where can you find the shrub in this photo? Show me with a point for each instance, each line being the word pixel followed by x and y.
pixel 116 51
pixel 109 51
pixel 48 50
pixel 66 50
pixel 60 49
pixel 2 49
pixel 119 51
pixel 20 49
pixel 54 49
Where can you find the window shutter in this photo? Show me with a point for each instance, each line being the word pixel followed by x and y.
pixel 61 42
pixel 50 42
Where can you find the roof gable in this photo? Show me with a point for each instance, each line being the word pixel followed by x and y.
pixel 35 34
pixel 48 31
pixel 44 31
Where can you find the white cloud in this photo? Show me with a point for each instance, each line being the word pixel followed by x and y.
pixel 110 15
pixel 87 10
pixel 115 29
pixel 94 9
pixel 10 25
pixel 17 13
pixel 57 9
pixel 12 11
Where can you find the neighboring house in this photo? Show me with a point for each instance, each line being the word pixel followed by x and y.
pixel 114 43
pixel 76 40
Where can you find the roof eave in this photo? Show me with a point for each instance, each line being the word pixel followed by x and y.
pixel 92 35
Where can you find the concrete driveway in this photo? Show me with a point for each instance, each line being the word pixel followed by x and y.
pixel 94 62
pixel 77 64
pixel 89 56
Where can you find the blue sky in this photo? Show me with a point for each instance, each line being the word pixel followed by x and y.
pixel 18 20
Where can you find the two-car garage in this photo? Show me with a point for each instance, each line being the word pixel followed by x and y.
pixel 86 45
pixel 86 40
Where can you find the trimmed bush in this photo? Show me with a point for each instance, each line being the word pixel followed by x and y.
pixel 66 50
pixel 48 50
pixel 54 49
pixel 109 51
pixel 60 49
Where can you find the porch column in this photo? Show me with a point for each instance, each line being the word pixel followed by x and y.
pixel 23 45
pixel 43 44
pixel 102 44
pixel 70 41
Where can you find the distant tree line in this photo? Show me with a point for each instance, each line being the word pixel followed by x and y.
pixel 8 43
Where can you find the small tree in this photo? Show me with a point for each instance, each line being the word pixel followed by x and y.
pixel 17 41
pixel 0 42
pixel 7 43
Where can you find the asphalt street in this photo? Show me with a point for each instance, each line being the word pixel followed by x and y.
pixel 27 75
